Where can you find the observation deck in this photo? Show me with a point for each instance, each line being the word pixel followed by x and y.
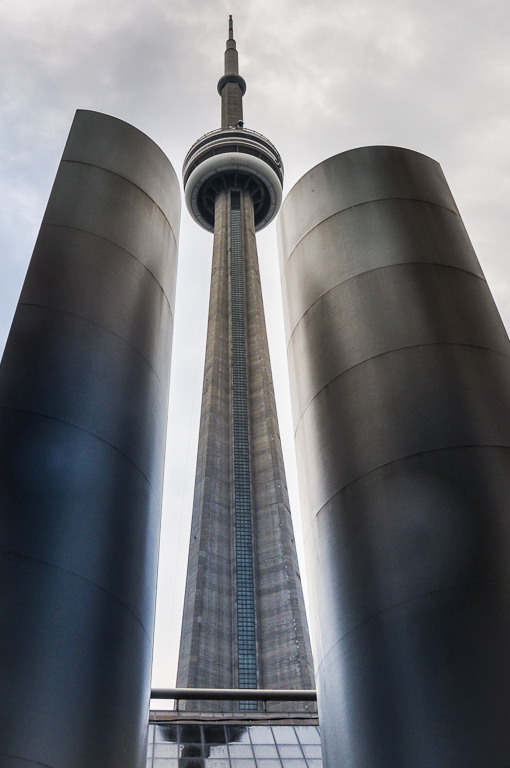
pixel 233 158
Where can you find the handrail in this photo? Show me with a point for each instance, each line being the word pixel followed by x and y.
pixel 234 694
pixel 237 132
pixel 240 130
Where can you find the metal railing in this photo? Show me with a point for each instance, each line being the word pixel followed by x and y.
pixel 233 694
pixel 232 131
pixel 226 136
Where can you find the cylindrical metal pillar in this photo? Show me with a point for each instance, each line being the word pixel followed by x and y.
pixel 400 369
pixel 83 402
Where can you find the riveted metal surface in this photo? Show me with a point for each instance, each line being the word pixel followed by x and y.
pixel 400 370
pixel 83 400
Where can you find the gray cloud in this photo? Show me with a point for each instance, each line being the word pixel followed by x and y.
pixel 322 77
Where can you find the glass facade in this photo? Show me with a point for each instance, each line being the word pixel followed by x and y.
pixel 233 746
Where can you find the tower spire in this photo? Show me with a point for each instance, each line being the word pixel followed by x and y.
pixel 244 621
pixel 231 86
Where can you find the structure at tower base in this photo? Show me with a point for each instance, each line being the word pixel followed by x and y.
pixel 244 622
pixel 83 401
pixel 400 369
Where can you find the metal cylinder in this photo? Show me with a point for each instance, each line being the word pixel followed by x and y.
pixel 400 370
pixel 83 403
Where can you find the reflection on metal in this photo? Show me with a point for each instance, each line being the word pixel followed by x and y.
pixel 400 369
pixel 83 400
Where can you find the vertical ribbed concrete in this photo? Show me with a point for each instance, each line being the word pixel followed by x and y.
pixel 205 656
pixel 400 370
pixel 209 653
pixel 83 404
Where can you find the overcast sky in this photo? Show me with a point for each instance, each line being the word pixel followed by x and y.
pixel 323 77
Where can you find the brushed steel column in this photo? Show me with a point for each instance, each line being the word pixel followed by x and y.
pixel 83 404
pixel 400 369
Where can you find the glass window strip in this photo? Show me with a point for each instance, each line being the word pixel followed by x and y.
pixel 247 659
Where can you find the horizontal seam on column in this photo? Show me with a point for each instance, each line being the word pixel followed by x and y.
pixel 78 576
pixel 368 202
pixel 377 269
pixel 405 458
pixel 26 760
pixel 120 247
pixel 92 322
pixel 403 602
pixel 130 181
pixel 391 352
pixel 82 429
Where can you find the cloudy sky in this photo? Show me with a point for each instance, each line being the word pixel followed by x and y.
pixel 323 77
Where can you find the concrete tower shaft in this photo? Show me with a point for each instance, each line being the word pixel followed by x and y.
pixel 244 623
pixel 242 569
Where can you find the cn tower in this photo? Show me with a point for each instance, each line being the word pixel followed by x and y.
pixel 244 622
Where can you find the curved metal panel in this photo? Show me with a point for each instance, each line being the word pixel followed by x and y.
pixel 356 177
pixel 399 404
pixel 57 704
pixel 105 204
pixel 102 286
pixel 414 520
pixel 400 370
pixel 67 368
pixel 415 305
pixel 370 236
pixel 148 167
pixel 414 672
pixel 83 401
pixel 59 472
